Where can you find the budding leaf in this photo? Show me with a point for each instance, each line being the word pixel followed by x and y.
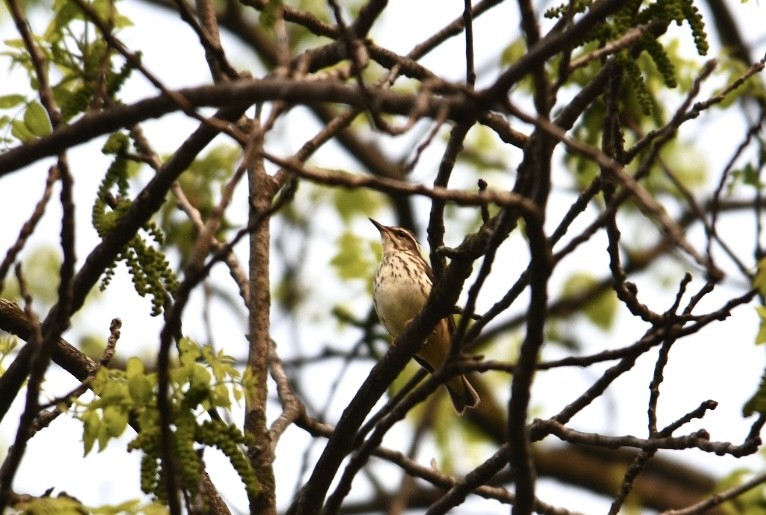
pixel 8 101
pixel 36 120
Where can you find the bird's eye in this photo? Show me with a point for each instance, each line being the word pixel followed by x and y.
pixel 404 235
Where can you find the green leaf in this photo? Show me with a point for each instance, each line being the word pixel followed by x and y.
pixel 115 421
pixel 7 344
pixel 65 12
pixel 761 336
pixel 15 43
pixel 353 259
pixel 103 437
pixel 7 101
pixel 134 367
pixel 602 309
pixel 757 403
pixel 91 425
pixel 200 377
pixel 189 351
pixel 130 506
pixel 351 203
pixel 760 278
pixel 21 132
pixel 141 389
pixel 220 396
pixel 155 508
pixel 513 52
pixel 62 505
pixel 221 364
pixel 114 392
pixel 36 120
pixel 751 176
pixel 249 384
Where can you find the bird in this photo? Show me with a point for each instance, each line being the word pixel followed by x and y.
pixel 401 287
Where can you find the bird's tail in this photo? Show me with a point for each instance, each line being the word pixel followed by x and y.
pixel 462 393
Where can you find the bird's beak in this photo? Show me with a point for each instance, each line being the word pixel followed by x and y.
pixel 377 225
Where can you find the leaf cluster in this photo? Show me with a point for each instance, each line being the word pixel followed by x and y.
pixel 147 264
pixel 655 18
pixel 201 381
pixel 202 184
pixel 79 63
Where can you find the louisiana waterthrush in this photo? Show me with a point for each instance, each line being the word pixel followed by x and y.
pixel 402 285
